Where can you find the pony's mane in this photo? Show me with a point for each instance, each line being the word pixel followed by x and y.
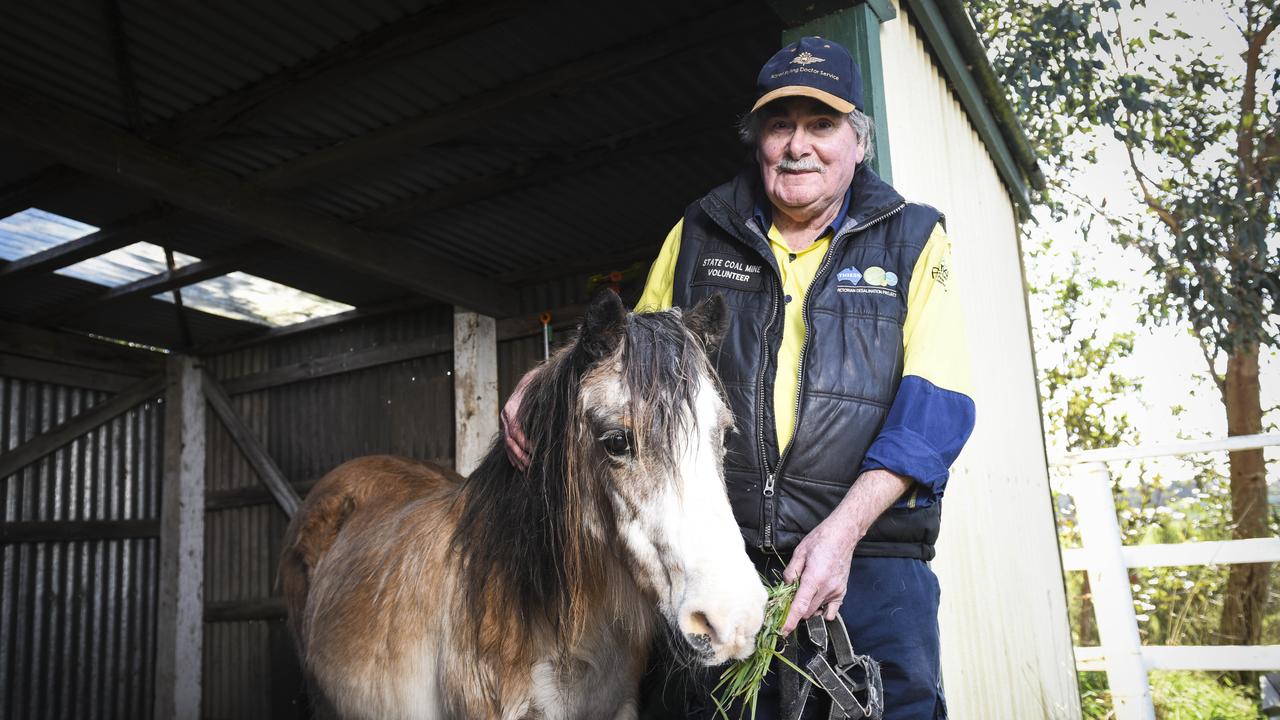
pixel 526 554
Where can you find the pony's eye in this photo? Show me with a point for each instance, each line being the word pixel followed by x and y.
pixel 616 442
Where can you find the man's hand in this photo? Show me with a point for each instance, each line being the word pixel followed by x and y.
pixel 821 561
pixel 512 434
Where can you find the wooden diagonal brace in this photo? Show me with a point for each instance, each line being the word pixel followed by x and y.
pixel 257 456
pixel 45 443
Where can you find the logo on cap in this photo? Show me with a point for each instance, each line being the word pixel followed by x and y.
pixel 807 58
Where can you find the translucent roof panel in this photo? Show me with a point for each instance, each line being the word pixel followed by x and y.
pixel 125 265
pixel 247 297
pixel 236 295
pixel 32 230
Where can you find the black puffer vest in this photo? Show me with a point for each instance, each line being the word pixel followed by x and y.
pixel 849 369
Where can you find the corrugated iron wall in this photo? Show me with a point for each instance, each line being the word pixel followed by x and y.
pixel 309 427
pixel 77 618
pixel 1004 654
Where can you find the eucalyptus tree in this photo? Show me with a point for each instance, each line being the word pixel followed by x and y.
pixel 1195 121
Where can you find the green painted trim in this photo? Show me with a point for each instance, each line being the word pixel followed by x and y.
pixel 858 28
pixel 883 9
pixel 971 97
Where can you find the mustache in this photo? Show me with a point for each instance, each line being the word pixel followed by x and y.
pixel 799 165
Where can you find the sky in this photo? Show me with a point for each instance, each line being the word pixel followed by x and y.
pixel 1166 359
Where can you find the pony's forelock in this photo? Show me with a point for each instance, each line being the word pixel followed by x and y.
pixel 663 364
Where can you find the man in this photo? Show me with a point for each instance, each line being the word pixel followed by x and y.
pixel 845 364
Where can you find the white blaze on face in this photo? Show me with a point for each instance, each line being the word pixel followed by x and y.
pixel 688 544
pixel 679 529
pixel 723 599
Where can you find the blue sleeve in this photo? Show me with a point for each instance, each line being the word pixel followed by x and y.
pixel 925 430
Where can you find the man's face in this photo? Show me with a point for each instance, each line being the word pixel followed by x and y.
pixel 807 154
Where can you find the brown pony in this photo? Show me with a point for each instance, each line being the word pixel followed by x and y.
pixel 415 593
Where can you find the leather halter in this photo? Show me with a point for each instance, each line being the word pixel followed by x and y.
pixel 853 681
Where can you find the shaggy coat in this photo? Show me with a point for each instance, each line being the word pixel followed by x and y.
pixel 415 593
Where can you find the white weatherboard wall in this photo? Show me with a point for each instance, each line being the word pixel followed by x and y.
pixel 1006 644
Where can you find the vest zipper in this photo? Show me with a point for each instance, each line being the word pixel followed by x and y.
pixel 766 509
pixel 804 347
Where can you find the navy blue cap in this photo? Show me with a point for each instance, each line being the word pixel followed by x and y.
pixel 811 67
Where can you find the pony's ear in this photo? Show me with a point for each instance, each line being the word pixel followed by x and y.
pixel 709 320
pixel 601 326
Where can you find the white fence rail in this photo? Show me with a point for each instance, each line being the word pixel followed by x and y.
pixel 1218 552
pixel 1107 561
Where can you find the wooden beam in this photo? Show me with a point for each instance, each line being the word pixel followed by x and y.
pixel 142 226
pixel 555 268
pixel 179 609
pixel 76 530
pixel 329 321
pixel 125 82
pixel 78 350
pixel 211 267
pixel 31 190
pixel 179 308
pixel 338 364
pixel 678 136
pixel 680 40
pixel 506 328
pixel 32 450
pixel 266 468
pixel 102 149
pixel 355 60
pixel 563 317
pixel 56 373
pixel 475 388
pixel 271 608
pixel 231 498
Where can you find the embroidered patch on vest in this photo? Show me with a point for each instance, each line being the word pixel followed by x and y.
pixel 728 271
pixel 872 281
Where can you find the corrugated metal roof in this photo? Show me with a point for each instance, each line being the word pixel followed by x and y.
pixel 513 185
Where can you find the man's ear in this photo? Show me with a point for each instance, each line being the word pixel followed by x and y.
pixel 600 329
pixel 709 320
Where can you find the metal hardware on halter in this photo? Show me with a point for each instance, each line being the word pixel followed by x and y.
pixel 852 681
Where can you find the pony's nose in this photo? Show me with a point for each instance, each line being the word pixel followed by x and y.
pixel 698 625
pixel 723 635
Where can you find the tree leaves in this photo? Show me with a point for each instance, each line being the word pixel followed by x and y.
pixel 1076 68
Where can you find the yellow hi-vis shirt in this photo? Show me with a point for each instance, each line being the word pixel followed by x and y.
pixel 932 334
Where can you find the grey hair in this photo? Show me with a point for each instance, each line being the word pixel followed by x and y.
pixel 862 124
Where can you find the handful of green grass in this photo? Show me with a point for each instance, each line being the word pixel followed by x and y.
pixel 742 679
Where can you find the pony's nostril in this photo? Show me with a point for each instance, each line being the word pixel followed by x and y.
pixel 700 624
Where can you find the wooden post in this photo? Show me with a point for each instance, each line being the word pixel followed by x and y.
pixel 1112 595
pixel 475 387
pixel 179 632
